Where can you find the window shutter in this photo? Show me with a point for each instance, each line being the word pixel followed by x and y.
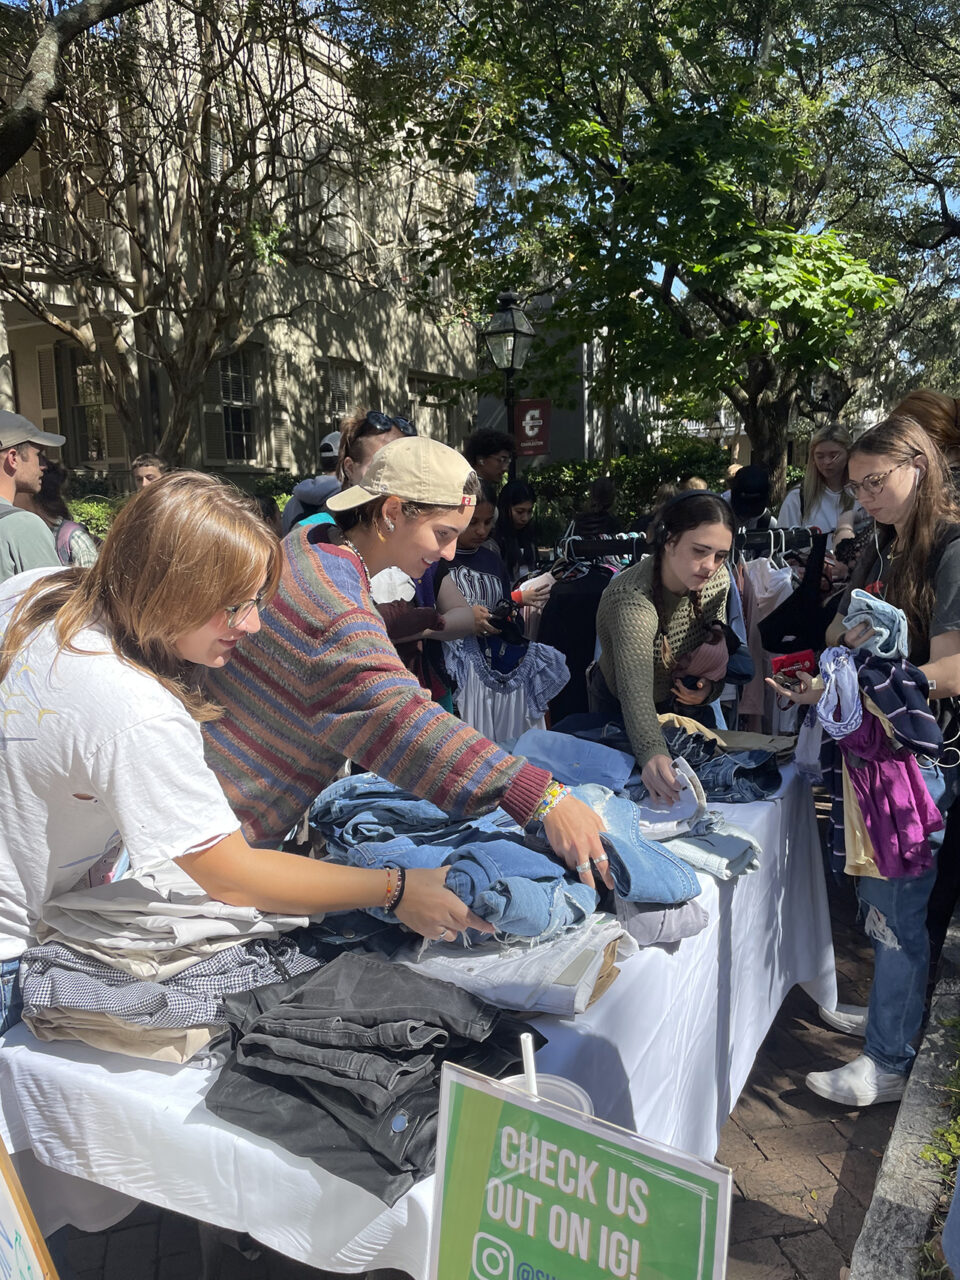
pixel 116 440
pixel 214 435
pixel 49 397
pixel 281 413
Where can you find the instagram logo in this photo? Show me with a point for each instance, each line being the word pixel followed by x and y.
pixel 492 1259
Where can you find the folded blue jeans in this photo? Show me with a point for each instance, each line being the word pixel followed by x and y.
pixel 518 890
pixel 365 807
pixel 892 639
pixel 642 869
pixel 576 761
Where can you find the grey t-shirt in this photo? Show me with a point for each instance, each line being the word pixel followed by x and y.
pixel 26 542
pixel 946 586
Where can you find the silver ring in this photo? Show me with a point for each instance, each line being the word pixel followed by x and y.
pixel 583 866
pixel 603 858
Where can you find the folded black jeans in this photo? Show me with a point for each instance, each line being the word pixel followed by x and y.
pixel 324 1100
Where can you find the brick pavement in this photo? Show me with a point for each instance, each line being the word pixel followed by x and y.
pixel 804 1168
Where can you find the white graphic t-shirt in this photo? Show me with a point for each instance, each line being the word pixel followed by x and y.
pixel 91 748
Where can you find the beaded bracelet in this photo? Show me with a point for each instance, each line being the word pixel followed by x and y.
pixel 395 891
pixel 554 793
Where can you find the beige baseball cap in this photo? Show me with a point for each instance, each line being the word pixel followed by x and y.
pixel 416 469
pixel 16 429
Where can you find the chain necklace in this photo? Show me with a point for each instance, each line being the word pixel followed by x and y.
pixel 351 546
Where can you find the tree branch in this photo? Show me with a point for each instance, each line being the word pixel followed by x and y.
pixel 21 123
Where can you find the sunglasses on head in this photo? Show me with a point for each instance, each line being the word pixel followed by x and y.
pixel 379 422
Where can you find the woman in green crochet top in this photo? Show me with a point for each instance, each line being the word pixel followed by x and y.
pixel 655 614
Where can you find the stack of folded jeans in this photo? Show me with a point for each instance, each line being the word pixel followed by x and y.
pixel 711 845
pixel 365 808
pixel 343 1066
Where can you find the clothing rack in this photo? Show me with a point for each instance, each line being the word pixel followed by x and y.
pixel 774 542
pixel 770 542
pixel 602 547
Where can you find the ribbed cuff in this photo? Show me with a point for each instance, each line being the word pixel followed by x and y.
pixel 525 792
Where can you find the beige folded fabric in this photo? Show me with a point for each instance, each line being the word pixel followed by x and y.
pixel 103 1031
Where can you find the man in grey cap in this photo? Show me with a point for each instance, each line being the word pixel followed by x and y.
pixel 26 541
pixel 310 496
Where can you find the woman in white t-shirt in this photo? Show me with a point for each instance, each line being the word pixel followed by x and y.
pixel 820 502
pixel 99 724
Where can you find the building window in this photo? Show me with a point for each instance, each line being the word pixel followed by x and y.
pixel 437 279
pixel 238 397
pixel 432 407
pixel 338 387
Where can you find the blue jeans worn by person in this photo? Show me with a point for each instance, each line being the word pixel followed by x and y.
pixel 11 999
pixel 896 923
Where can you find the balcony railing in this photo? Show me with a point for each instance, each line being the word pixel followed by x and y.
pixel 37 239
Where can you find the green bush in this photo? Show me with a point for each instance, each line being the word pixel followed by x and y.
pixel 274 485
pixel 563 487
pixel 96 512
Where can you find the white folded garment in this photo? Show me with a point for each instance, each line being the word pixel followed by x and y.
pixel 162 908
pixel 663 821
pixel 558 976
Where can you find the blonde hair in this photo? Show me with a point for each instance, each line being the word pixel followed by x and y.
pixel 937 414
pixel 813 482
pixel 182 549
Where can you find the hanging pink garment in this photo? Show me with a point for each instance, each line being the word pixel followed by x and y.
pixel 897 810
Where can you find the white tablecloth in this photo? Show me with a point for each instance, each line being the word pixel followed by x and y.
pixel 666 1050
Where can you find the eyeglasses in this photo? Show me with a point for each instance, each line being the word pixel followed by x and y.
pixel 379 422
pixel 873 484
pixel 239 613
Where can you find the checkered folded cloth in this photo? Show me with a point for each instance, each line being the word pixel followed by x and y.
pixel 55 976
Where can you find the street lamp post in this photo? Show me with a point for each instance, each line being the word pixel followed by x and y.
pixel 509 336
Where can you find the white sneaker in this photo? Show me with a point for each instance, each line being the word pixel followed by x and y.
pixel 851 1019
pixel 860 1083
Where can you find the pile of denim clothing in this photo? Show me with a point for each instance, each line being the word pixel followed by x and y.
pixel 342 1066
pixel 505 875
pixel 687 830
pixel 727 777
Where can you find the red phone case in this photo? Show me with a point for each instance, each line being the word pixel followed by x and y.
pixel 788 664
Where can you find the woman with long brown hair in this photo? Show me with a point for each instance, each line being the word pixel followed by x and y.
pixel 100 709
pixel 656 613
pixel 901 479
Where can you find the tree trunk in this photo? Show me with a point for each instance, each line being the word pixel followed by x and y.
pixel 185 417
pixel 766 424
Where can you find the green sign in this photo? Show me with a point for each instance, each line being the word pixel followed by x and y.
pixel 528 1190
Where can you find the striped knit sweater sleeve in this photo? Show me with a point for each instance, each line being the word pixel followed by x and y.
pixel 320 683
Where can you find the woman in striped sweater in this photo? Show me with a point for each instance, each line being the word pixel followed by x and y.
pixel 321 683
